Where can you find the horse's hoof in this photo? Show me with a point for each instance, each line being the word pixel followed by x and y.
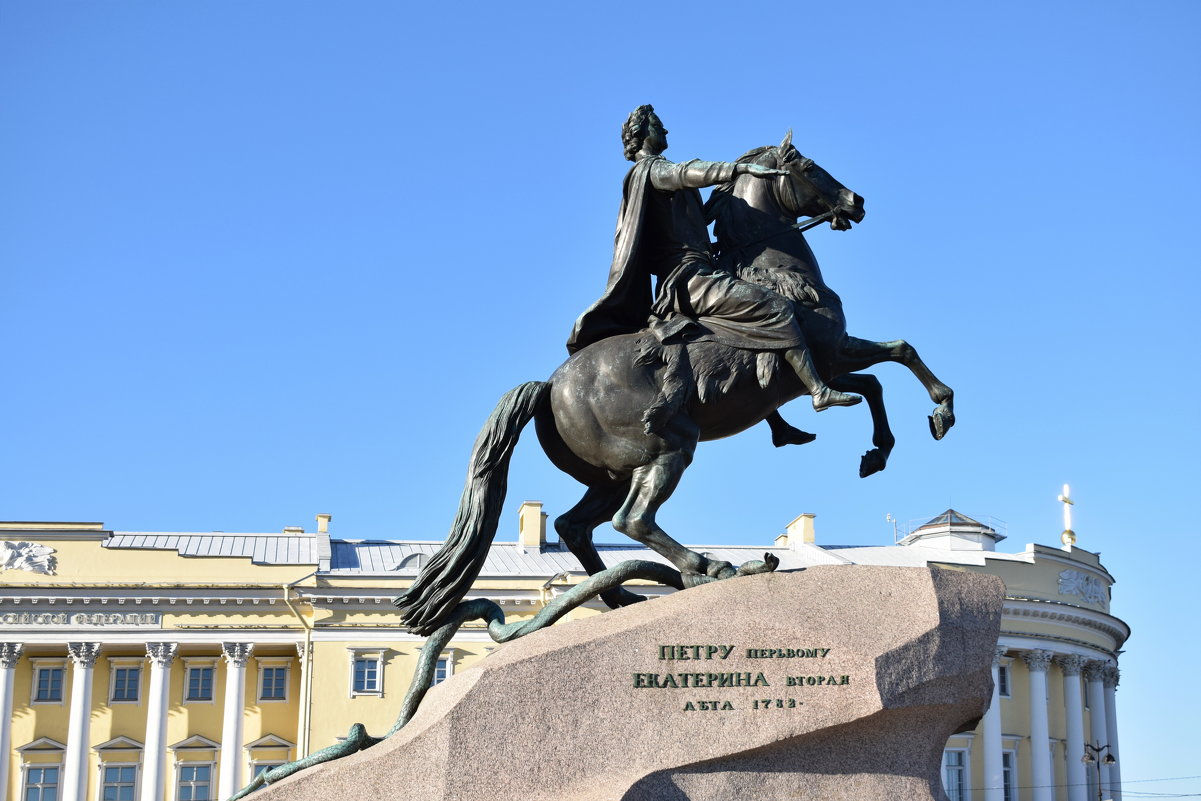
pixel 872 462
pixel 941 421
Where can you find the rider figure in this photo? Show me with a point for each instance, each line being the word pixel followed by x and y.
pixel 661 231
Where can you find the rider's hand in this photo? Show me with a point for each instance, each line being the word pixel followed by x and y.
pixel 758 170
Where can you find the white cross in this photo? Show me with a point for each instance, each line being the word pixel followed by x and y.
pixel 1069 536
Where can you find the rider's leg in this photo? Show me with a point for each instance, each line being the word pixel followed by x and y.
pixel 782 433
pixel 823 396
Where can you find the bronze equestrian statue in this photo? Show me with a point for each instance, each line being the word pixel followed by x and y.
pixel 730 334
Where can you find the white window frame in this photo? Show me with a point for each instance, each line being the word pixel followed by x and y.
pixel 39 665
pixel 449 661
pixel 376 654
pixel 116 663
pixel 263 764
pixel 1009 790
pixel 27 766
pixel 447 655
pixel 1006 668
pixel 179 766
pixel 274 662
pixel 967 772
pixel 137 777
pixel 190 663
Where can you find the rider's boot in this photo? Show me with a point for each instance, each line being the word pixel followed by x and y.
pixel 823 396
pixel 783 433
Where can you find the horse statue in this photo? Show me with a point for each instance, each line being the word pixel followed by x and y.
pixel 589 416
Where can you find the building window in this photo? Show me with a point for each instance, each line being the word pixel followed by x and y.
pixel 195 783
pixel 125 685
pixel 1003 684
pixel 48 686
pixel 273 683
pixel 263 767
pixel 41 784
pixel 1009 774
pixel 366 675
pixel 199 684
pixel 120 782
pixel 954 774
pixel 441 671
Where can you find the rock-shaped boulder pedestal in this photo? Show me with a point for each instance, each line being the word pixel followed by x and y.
pixel 832 683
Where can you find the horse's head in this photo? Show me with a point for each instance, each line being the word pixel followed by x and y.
pixel 808 190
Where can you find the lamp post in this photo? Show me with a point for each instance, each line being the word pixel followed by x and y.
pixel 1092 756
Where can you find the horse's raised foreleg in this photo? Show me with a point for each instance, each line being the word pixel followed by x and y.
pixel 859 354
pixel 869 387
pixel 575 527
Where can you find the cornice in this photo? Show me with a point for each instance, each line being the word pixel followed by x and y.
pixel 1046 553
pixel 1059 612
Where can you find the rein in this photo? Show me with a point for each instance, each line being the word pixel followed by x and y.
pixel 833 209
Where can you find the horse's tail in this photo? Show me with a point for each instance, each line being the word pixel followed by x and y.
pixel 445 579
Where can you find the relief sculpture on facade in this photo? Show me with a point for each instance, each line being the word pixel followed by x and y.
pixel 29 556
pixel 1089 588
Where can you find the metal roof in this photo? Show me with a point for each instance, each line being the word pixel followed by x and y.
pixel 511 559
pixel 261 549
pixel 405 557
pixel 953 518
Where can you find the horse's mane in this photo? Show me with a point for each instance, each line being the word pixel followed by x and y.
pixel 722 193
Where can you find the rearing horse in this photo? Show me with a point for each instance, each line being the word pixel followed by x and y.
pixel 589 415
pixel 758 240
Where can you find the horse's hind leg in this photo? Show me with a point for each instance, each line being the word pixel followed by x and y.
pixel 869 387
pixel 650 486
pixel 859 354
pixel 575 527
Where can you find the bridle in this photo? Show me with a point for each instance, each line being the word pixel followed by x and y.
pixel 787 197
pixel 834 211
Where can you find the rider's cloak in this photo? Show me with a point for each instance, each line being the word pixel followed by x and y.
pixel 663 234
pixel 625 306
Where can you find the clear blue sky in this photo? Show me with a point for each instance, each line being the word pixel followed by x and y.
pixel 229 232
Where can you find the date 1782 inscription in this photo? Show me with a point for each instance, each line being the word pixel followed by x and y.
pixel 718 679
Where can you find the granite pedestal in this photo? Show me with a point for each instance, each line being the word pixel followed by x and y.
pixel 838 682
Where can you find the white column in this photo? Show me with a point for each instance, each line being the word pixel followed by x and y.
pixel 994 776
pixel 305 652
pixel 1074 716
pixel 236 654
pixel 154 757
pixel 10 654
pixel 1112 675
pixel 75 761
pixel 1094 674
pixel 1037 663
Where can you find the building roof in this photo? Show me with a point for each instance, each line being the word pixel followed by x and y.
pixel 348 558
pixel 952 518
pixel 261 549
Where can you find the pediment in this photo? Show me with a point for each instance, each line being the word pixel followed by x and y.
pixel 119 744
pixel 269 741
pixel 194 743
pixel 42 744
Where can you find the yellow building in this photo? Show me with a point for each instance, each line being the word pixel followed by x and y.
pixel 157 666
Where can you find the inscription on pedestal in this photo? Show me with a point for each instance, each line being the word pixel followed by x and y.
pixel 717 679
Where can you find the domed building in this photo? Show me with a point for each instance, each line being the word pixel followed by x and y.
pixel 171 665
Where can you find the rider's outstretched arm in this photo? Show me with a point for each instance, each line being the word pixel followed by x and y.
pixel 667 176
